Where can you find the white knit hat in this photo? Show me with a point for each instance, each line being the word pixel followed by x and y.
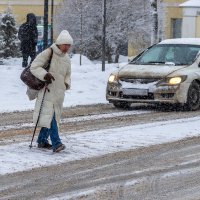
pixel 64 38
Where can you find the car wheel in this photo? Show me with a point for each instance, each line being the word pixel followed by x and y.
pixel 193 97
pixel 122 104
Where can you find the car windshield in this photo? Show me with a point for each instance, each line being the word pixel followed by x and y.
pixel 170 54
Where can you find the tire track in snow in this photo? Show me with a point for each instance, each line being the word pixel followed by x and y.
pixel 78 119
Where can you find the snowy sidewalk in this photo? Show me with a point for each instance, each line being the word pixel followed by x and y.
pixel 18 157
pixel 88 85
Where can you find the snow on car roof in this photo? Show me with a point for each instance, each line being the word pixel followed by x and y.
pixel 193 41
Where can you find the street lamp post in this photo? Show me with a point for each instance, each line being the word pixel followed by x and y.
pixel 45 35
pixel 52 13
pixel 103 35
pixel 79 6
pixel 81 32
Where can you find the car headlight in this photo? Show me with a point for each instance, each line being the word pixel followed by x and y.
pixel 175 80
pixel 172 80
pixel 112 78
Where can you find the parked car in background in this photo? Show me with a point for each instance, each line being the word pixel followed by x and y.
pixel 168 72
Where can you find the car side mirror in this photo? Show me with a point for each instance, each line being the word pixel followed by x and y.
pixel 199 65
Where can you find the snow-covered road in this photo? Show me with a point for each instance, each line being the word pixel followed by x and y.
pixel 18 157
pixel 88 87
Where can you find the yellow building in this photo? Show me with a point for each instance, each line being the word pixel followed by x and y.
pixel 20 8
pixel 191 18
pixel 177 19
pixel 172 19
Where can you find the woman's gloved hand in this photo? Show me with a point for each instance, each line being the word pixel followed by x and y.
pixel 67 86
pixel 48 78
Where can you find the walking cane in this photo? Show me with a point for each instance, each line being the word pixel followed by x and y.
pixel 39 114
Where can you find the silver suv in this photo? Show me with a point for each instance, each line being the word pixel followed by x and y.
pixel 168 72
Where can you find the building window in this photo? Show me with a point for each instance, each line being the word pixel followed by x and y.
pixel 176 25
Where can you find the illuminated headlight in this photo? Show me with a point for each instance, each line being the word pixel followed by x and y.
pixel 172 81
pixel 175 80
pixel 112 78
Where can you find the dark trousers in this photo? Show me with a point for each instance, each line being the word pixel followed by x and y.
pixel 26 55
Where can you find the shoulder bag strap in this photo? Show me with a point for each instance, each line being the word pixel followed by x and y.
pixel 49 61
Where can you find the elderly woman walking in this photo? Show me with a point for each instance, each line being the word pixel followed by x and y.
pixel 58 78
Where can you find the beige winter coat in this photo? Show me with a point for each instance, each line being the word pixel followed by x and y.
pixel 60 68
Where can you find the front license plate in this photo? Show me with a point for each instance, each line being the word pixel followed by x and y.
pixel 134 91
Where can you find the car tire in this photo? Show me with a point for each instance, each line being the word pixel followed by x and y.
pixel 122 104
pixel 193 97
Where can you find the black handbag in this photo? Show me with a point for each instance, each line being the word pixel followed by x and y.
pixel 30 80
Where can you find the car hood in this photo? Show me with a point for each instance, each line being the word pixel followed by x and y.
pixel 147 71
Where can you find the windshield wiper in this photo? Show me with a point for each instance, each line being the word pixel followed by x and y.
pixel 155 62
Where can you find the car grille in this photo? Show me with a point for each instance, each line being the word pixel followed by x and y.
pixel 139 80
